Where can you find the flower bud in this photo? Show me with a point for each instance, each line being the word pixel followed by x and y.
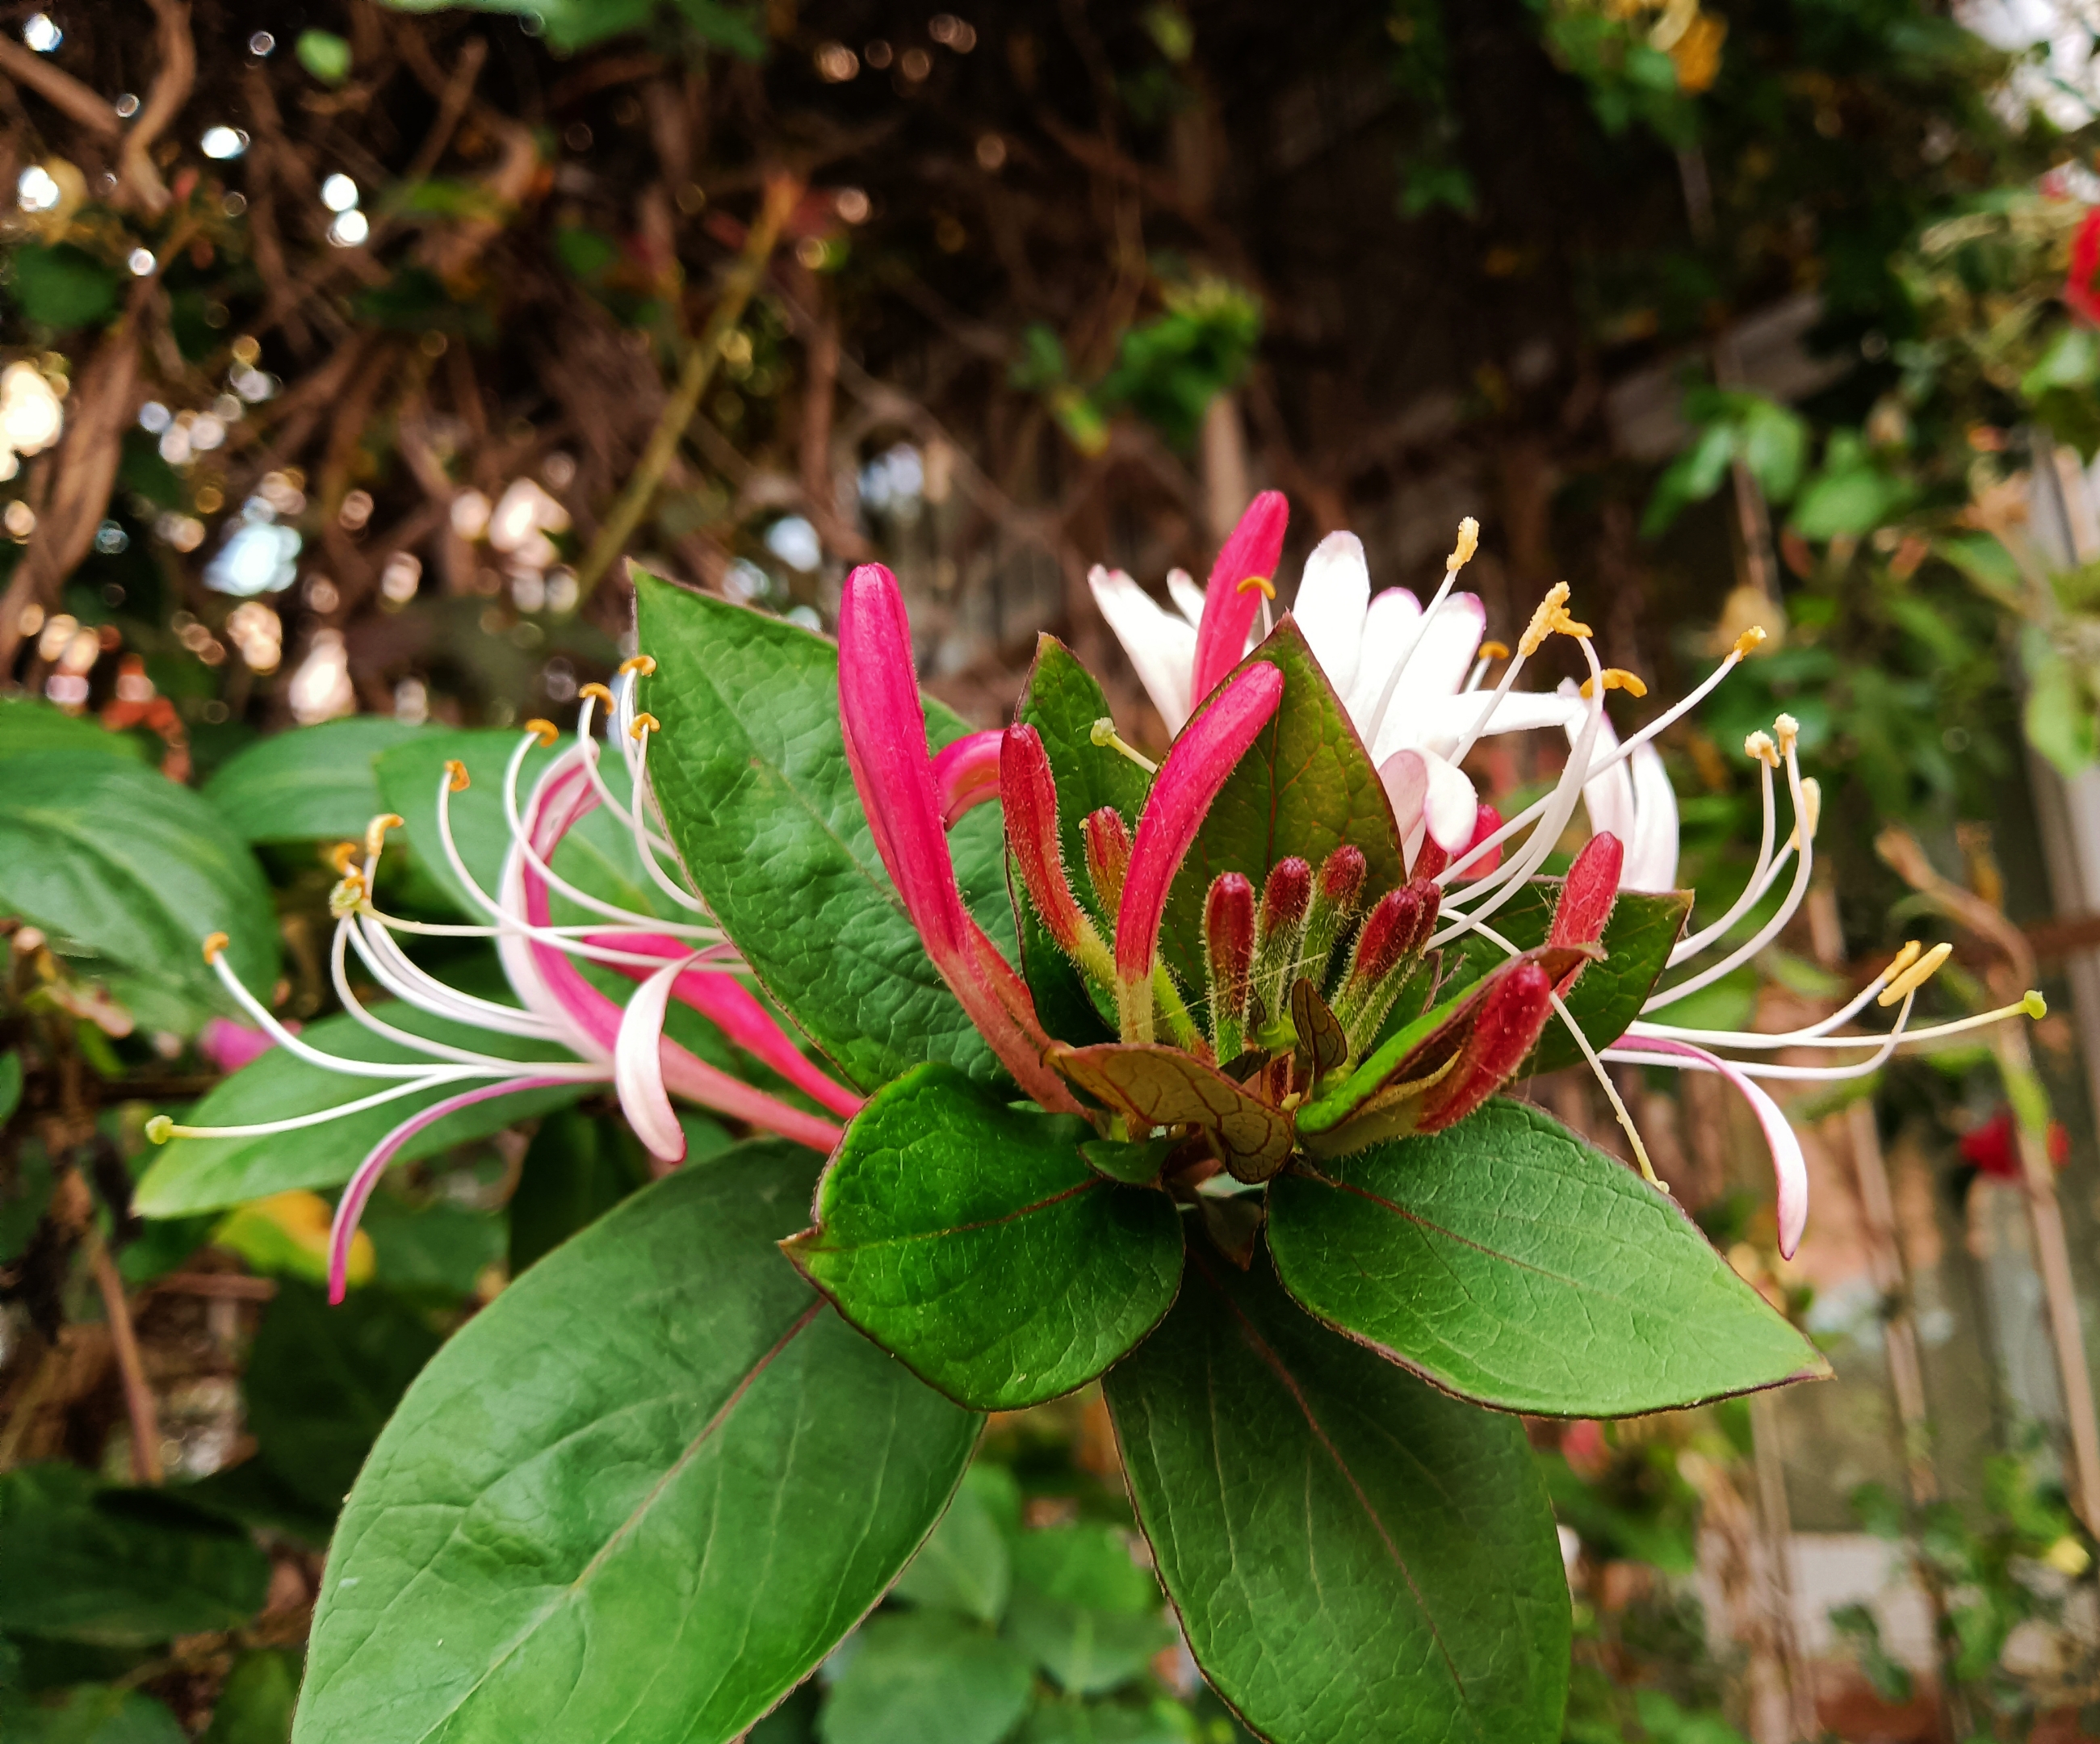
pixel 1285 899
pixel 1228 955
pixel 1337 895
pixel 1507 1029
pixel 1587 893
pixel 1392 938
pixel 1108 855
pixel 1028 795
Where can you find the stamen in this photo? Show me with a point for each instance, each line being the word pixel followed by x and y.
pixel 1105 735
pixel 1759 745
pixel 1617 678
pixel 1462 553
pixel 544 730
pixel 1750 639
pixel 341 855
pixel 1551 619
pixel 214 944
pixel 1267 586
pixel 348 894
pixel 595 692
pixel 644 723
pixel 375 833
pixel 455 774
pixel 643 664
pixel 1787 729
pixel 1469 542
pixel 1754 887
pixel 1915 975
pixel 1494 650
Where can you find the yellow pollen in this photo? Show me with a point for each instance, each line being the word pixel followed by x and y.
pixel 1551 619
pixel 644 664
pixel 645 723
pixel 1494 650
pixel 545 732
pixel 1616 678
pixel 456 771
pixel 599 691
pixel 1749 639
pixel 342 855
pixel 160 1129
pixel 1787 729
pixel 1262 582
pixel 1916 976
pixel 1760 746
pixel 217 942
pixel 1469 542
pixel 375 833
pixel 1903 958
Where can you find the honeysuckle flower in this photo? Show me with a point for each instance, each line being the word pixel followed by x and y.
pixel 621 1043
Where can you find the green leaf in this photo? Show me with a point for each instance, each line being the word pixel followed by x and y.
pixel 965 1566
pixel 11 1085
pixel 209 1174
pixel 1509 1262
pixel 408 774
pixel 1083 1610
pixel 1353 1554
pixel 1305 787
pixel 82 1561
pixel 325 54
pixel 1062 702
pixel 657 1438
pixel 577 1169
pixel 89 1713
pixel 1638 939
pixel 115 857
pixel 751 769
pixel 1852 501
pixel 926 1678
pixel 2058 715
pixel 62 286
pixel 972 1240
pixel 310 785
pixel 321 1382
pixel 30 724
pixel 255 1705
pixel 1158 1722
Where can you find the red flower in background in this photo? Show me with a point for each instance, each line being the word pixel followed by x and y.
pixel 1993 1148
pixel 2078 291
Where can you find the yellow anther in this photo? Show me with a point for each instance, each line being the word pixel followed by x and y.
pixel 1786 730
pixel 217 942
pixel 160 1129
pixel 599 691
pixel 1903 958
pixel 1916 976
pixel 1262 582
pixel 375 833
pixel 456 771
pixel 1811 810
pixel 644 723
pixel 1760 746
pixel 644 664
pixel 1616 678
pixel 1551 619
pixel 545 732
pixel 1469 542
pixel 1749 639
pixel 341 855
pixel 1494 650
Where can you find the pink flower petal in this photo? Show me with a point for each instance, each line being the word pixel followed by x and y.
pixel 1230 610
pixel 1587 893
pixel 966 774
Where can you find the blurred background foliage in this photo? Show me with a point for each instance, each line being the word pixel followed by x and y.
pixel 349 350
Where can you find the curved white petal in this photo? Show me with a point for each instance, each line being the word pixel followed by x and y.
pixel 1188 598
pixel 637 1066
pixel 1161 646
pixel 1332 596
pixel 1437 668
pixel 1651 849
pixel 1446 720
pixel 1388 625
pixel 1789 1166
pixel 1426 789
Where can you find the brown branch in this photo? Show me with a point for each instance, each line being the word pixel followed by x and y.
pixel 175 75
pixel 124 1339
pixel 59 88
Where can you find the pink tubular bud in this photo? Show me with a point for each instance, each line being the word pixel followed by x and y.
pixel 1591 886
pixel 1342 876
pixel 1229 950
pixel 1391 937
pixel 1029 797
pixel 1286 895
pixel 1487 821
pixel 967 774
pixel 1254 549
pixel 1285 898
pixel 1510 1018
pixel 1108 855
pixel 1337 892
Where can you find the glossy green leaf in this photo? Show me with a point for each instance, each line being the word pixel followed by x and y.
pixel 965 1566
pixel 1353 1554
pixel 83 1561
pixel 971 1239
pixel 1638 940
pixel 88 1713
pixel 310 785
pixel 1083 1610
pixel 927 1679
pixel 207 1174
pixel 1305 787
pixel 751 771
pixel 577 1169
pixel 1062 702
pixel 657 1440
pixel 1509 1262
pixel 118 859
pixel 28 723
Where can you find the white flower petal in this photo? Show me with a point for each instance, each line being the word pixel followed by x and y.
pixel 1437 669
pixel 1387 626
pixel 637 1066
pixel 1161 646
pixel 1652 852
pixel 1188 598
pixel 1444 720
pixel 1332 596
pixel 1424 788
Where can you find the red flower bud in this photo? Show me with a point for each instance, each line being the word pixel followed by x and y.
pixel 1337 893
pixel 1228 950
pixel 1591 887
pixel 1029 797
pixel 1108 855
pixel 1287 894
pixel 1392 936
pixel 1342 877
pixel 1510 1018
